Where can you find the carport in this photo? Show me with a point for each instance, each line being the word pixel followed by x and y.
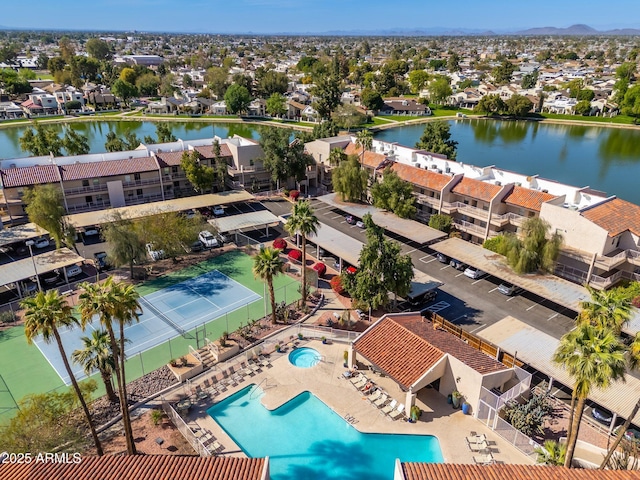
pixel 536 348
pixel 19 270
pixel 414 231
pixel 341 245
pixel 20 233
pixel 244 221
pixel 555 289
pixel 83 220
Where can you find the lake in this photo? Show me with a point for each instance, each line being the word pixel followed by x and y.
pixel 603 158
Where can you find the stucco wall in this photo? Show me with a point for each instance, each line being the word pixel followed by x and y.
pixel 578 232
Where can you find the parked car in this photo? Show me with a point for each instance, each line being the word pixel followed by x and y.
pixel 41 242
pixel 218 210
pixel 73 271
pixel 442 258
pixel 102 263
pixel 153 253
pixel 196 246
pixel 222 239
pixel 205 212
pixel 50 278
pixel 350 220
pixel 457 264
pixel 29 287
pixel 360 224
pixel 601 415
pixel 507 288
pixel 629 434
pixel 91 231
pixel 191 213
pixel 208 240
pixel 473 272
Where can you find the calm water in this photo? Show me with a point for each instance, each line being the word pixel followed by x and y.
pixel 97 132
pixel 305 439
pixel 606 159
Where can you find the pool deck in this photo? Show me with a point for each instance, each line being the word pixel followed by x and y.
pixel 282 381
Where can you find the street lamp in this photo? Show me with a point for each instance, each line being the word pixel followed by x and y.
pixel 30 243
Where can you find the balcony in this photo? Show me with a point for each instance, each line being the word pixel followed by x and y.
pixel 506 218
pixel 139 199
pixel 84 190
pixel 469 227
pixel 475 212
pixel 88 207
pixel 141 183
pixel 433 202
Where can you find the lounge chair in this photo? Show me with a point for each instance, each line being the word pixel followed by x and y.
pixel 363 381
pixel 477 442
pixel 367 388
pixel 397 413
pixel 357 378
pixel 389 408
pixel 484 459
pixel 381 400
pixel 215 447
pixel 374 396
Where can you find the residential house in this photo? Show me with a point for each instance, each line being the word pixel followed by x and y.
pixel 10 110
pixel 404 106
pixel 40 104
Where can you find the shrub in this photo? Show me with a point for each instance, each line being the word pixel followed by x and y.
pixel 321 268
pixel 529 417
pixel 294 194
pixel 295 255
pixel 440 222
pixel 156 416
pixel 7 317
pixel 285 191
pixel 336 284
pixel 280 243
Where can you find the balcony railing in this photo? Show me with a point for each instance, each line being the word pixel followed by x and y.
pixel 88 189
pixel 469 227
pixel 510 217
pixel 475 212
pixel 141 183
pixel 427 200
pixel 88 207
pixel 137 200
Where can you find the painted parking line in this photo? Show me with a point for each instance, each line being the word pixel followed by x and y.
pixel 411 251
pixel 343 221
pixel 477 328
pixel 511 298
pixel 446 266
pixel 327 213
pixel 493 290
pixel 337 216
pixel 422 259
pixel 460 317
pixel 460 274
pixel 479 280
pixel 553 316
pixel 437 307
pixel 532 306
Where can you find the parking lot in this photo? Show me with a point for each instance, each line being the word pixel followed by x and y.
pixel 471 304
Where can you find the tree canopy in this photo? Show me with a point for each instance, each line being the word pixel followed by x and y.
pixel 350 179
pixel 45 208
pixel 436 138
pixel 237 99
pixel 201 176
pixel 394 194
pixel 283 158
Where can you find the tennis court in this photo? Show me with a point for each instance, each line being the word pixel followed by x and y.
pixel 166 313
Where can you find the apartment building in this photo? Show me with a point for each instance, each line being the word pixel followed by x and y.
pixel 98 181
pixel 601 233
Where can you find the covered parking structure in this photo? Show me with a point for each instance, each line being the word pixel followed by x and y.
pixel 20 270
pixel 87 219
pixel 411 229
pixel 535 348
pixel 344 247
pixel 20 233
pixel 555 289
pixel 245 221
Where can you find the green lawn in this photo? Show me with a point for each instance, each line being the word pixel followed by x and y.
pixel 620 119
pixel 25 370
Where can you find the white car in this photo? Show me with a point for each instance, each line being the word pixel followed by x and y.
pixel 91 232
pixel 218 210
pixel 73 270
pixel 473 272
pixel 153 253
pixel 41 242
pixel 208 240
pixel 360 224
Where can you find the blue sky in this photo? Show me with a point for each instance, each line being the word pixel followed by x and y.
pixel 301 16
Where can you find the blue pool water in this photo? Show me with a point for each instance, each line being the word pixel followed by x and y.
pixel 304 357
pixel 305 439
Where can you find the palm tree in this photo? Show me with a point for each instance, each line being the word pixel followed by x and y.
pixel 266 265
pixel 303 221
pixel 551 453
pixel 594 358
pixel 606 309
pixel 633 352
pixel 364 140
pixel 45 313
pixel 113 301
pixel 96 355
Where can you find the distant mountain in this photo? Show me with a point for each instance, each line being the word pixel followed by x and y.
pixel 577 30
pixel 413 32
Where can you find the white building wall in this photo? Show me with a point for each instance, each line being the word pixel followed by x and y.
pixel 578 232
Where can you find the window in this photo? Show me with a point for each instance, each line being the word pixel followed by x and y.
pixel 139 192
pixel 88 199
pixel 96 182
pixel 85 183
pixel 136 176
pixel 98 198
pixel 127 178
pixel 174 169
pixel 166 170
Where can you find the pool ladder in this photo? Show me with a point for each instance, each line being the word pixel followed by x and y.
pixel 256 388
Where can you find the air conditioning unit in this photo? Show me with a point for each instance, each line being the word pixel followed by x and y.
pixel 439 171
pixel 499 183
pixel 447 170
pixel 434 166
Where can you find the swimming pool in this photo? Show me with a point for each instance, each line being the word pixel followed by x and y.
pixel 304 357
pixel 305 439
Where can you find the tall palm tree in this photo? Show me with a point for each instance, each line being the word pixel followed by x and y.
pixel 364 140
pixel 633 352
pixel 303 221
pixel 45 313
pixel 113 301
pixel 266 265
pixel 96 355
pixel 606 309
pixel 594 357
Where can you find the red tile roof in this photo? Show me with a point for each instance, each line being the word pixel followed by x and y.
pixel 371 159
pixel 527 198
pixel 139 467
pixel 615 216
pixel 449 471
pixel 207 151
pixel 406 346
pixel 478 189
pixel 109 168
pixel 26 176
pixel 423 178
pixel 169 159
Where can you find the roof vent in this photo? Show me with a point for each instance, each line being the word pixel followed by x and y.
pixel 447 170
pixel 434 166
pixel 499 183
pixel 545 191
pixel 439 171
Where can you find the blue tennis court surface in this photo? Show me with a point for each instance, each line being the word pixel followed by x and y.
pixel 166 314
